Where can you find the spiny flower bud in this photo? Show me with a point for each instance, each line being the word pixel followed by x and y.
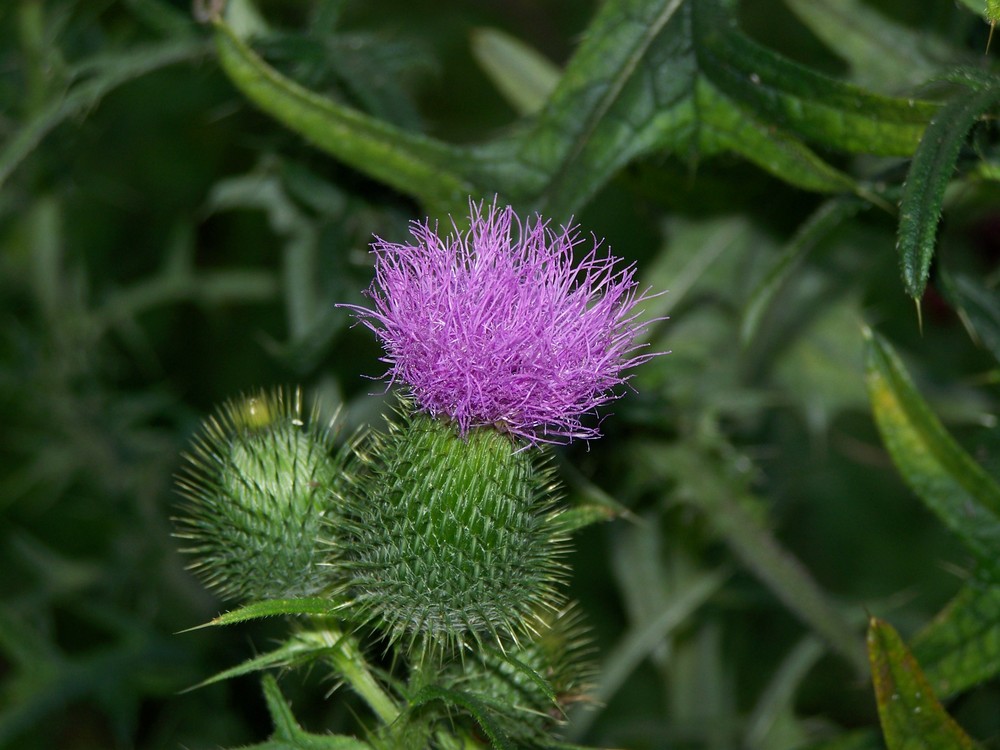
pixel 452 540
pixel 258 484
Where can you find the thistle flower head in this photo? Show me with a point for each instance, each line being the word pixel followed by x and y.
pixel 258 484
pixel 502 326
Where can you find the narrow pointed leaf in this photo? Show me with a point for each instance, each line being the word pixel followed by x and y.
pixel 929 175
pixel 643 639
pixel 977 304
pixel 288 735
pixel 591 504
pixel 416 165
pixel 944 476
pixel 543 685
pixel 911 716
pixel 476 708
pixel 961 647
pixel 273 608
pixel 523 75
pixel 579 517
pixel 859 739
pixel 823 221
pixel 103 75
pixel 285 725
pixel 799 99
pixel 293 651
pixel 880 51
pixel 704 484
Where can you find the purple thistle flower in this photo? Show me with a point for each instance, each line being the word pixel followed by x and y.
pixel 499 326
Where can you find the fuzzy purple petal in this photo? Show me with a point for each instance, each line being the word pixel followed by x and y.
pixel 501 326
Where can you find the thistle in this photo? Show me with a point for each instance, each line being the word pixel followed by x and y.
pixel 258 484
pixel 503 343
pixel 501 327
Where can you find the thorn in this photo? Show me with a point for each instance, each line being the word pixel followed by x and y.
pixel 989 39
pixel 920 316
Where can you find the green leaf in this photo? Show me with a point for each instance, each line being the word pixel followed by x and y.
pixel 707 486
pixel 944 476
pixel 543 686
pixel 911 716
pixel 476 708
pixel 931 171
pixel 776 706
pixel 791 96
pixel 859 739
pixel 881 52
pixel 634 87
pixel 723 126
pixel 589 503
pixel 625 91
pixel 977 305
pixel 95 79
pixel 523 76
pixel 816 228
pixel 961 647
pixel 413 163
pixel 644 638
pixel 980 6
pixel 273 608
pixel 650 76
pixel 288 735
pixel 295 650
pixel 579 517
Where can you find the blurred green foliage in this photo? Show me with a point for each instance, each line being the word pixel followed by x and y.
pixel 165 244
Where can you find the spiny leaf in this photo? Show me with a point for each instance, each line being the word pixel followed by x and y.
pixel 288 735
pixel 476 708
pixel 911 716
pixel 931 171
pixel 272 608
pixel 292 651
pixel 943 475
pixel 799 99
pixel 637 84
pixel 961 647
pixel 543 686
pixel 413 163
pixel 634 87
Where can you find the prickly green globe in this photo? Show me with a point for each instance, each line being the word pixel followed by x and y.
pixel 452 541
pixel 258 485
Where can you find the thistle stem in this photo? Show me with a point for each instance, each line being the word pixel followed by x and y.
pixel 346 657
